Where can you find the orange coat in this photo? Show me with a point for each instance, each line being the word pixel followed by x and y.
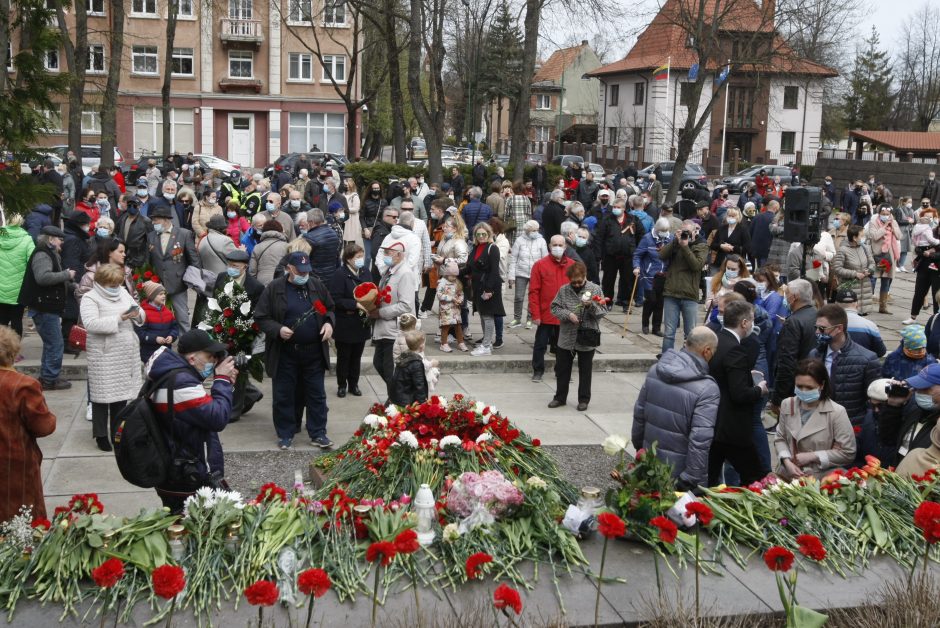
pixel 24 417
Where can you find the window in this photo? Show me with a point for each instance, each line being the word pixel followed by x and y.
pixel 741 107
pixel 96 59
pixel 144 60
pixel 300 66
pixel 300 11
pixel 94 7
pixel 144 7
pixel 182 62
pixel 637 136
pixel 611 136
pixel 148 129
pixel 326 130
pixel 91 122
pixel 541 134
pixel 53 120
pixel 239 9
pixel 335 66
pixel 9 56
pixel 639 93
pixel 685 94
pixel 543 102
pixel 787 141
pixel 614 98
pixel 184 8
pixel 52 60
pixel 791 97
pixel 334 13
pixel 240 64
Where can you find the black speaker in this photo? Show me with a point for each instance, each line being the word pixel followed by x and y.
pixel 801 214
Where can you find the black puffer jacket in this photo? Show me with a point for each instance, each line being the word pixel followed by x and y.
pixel 409 383
pixel 854 369
pixel 371 212
pixel 617 239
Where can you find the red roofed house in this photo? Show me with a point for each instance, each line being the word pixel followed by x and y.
pixel 773 107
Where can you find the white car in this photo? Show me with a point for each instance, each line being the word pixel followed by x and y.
pixel 211 162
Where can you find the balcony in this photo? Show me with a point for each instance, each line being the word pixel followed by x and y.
pixel 233 31
pixel 230 84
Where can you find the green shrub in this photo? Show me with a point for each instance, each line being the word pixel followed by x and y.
pixel 364 172
pixel 806 172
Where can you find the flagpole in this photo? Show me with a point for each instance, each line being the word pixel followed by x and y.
pixel 724 126
pixel 668 70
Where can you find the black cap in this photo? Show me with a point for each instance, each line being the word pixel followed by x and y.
pixel 79 218
pixel 161 211
pixel 237 255
pixel 846 296
pixel 217 223
pixel 300 261
pixel 52 231
pixel 199 340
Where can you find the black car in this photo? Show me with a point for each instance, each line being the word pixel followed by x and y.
pixel 737 182
pixel 694 175
pixel 139 167
pixel 289 161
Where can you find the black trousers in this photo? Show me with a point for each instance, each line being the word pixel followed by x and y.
pixel 612 266
pixel 104 419
pixel 564 360
pixel 427 303
pixel 348 362
pixel 546 337
pixel 925 280
pixel 653 303
pixel 743 458
pixel 12 317
pixel 384 362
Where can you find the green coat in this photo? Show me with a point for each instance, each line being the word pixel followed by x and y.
pixel 684 268
pixel 16 245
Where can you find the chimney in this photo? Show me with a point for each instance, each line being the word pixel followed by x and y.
pixel 770 8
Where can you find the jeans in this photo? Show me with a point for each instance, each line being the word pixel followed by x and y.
pixel 564 360
pixel 671 309
pixel 545 336
pixel 101 426
pixel 499 320
pixel 519 300
pixel 49 328
pixel 348 362
pixel 384 362
pixel 299 382
pixel 12 317
pixel 489 329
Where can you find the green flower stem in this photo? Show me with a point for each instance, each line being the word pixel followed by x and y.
pixel 414 584
pixel 375 593
pixel 698 543
pixel 169 618
pixel 309 611
pixel 600 578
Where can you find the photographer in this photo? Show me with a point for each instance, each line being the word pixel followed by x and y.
pixel 192 424
pixel 909 414
pixel 685 255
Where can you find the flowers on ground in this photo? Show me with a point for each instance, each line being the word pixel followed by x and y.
pixel 407 542
pixel 314 582
pixel 667 529
pixel 474 562
pixel 506 597
pixel 384 550
pixel 927 520
pixel 168 581
pixel 778 558
pixel 811 547
pixel 610 525
pixel 702 513
pixel 108 573
pixel 262 593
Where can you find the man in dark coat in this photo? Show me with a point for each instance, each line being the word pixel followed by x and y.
pixel 49 176
pixel 325 245
pixel 761 238
pixel 172 251
pixel 931 189
pixel 75 254
pixel 456 184
pixel 133 229
pixel 797 338
pixel 479 173
pixel 731 367
pixel 540 178
pixel 296 315
pixel 553 215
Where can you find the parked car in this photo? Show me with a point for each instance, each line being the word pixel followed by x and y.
pixel 532 159
pixel 738 181
pixel 599 173
pixel 566 160
pixel 499 160
pixel 210 162
pixel 289 161
pixel 206 163
pixel 418 149
pixel 91 156
pixel 694 175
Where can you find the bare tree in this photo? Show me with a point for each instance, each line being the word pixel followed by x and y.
pixel 76 57
pixel 427 38
pixel 109 98
pixel 396 98
pixel 172 14
pixel 918 62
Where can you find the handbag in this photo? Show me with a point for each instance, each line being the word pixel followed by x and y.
pixel 587 337
pixel 78 338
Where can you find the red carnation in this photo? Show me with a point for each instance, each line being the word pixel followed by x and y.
pixel 610 525
pixel 406 542
pixel 140 286
pixel 255 327
pixel 811 547
pixel 816 263
pixel 536 442
pixel 135 277
pixel 232 331
pixel 319 307
pixel 168 581
pixel 148 274
pixel 506 597
pixel 218 329
pixel 108 573
pixel 41 523
pixel 927 520
pixel 778 558
pixel 381 549
pixel 262 593
pixel 315 582
pixel 363 289
pixel 667 529
pixel 228 313
pixel 474 562
pixel 155 279
pixel 269 491
pixel 702 513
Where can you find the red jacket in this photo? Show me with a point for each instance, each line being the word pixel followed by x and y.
pixel 91 210
pixel 762 183
pixel 119 179
pixel 546 279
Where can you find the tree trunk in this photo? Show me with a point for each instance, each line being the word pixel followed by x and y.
pixel 394 83
pixel 520 109
pixel 499 125
pixel 172 10
pixel 76 58
pixel 375 145
pixel 4 43
pixel 352 146
pixel 109 99
pixel 430 116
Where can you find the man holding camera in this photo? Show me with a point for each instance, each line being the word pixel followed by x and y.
pixel 685 255
pixel 193 419
pixel 909 414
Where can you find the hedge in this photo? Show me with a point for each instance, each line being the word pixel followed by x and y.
pixel 365 172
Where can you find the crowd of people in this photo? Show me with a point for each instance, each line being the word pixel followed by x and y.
pixel 770 327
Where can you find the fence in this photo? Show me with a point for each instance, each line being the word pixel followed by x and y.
pixel 877 155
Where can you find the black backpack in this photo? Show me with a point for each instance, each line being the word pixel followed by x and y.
pixel 140 445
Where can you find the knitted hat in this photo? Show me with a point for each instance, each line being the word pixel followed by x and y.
pixel 451 269
pixel 914 337
pixel 152 289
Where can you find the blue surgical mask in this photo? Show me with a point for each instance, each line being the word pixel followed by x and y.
pixel 731 274
pixel 269 206
pixel 158 227
pixel 359 262
pixel 616 211
pixel 807 396
pixel 579 242
pixel 133 210
pixel 104 204
pixel 207 370
pixel 295 203
pixel 112 291
pixel 836 223
pixel 924 401
pixel 732 221
pixel 231 215
pixel 300 280
pixel 823 338
pixel 534 235
pixel 102 232
pixel 142 192
pixel 233 272
pixel 387 260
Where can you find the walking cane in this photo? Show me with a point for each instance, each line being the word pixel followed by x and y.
pixel 626 319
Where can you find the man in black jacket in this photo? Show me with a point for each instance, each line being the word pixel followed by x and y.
pixel 456 184
pixel 731 368
pixel 905 421
pixel 553 215
pixel 133 229
pixel 797 339
pixel 479 173
pixel 295 313
pixel 540 178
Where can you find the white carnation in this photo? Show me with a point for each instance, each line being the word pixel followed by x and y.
pixel 536 482
pixel 408 438
pixel 478 407
pixel 485 436
pixel 449 440
pixel 451 532
pixel 391 411
pixel 371 420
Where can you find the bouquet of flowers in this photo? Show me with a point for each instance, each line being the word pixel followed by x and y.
pixel 884 264
pixel 140 276
pixel 229 320
pixel 369 297
pixel 481 497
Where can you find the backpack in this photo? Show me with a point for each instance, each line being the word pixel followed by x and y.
pixel 140 445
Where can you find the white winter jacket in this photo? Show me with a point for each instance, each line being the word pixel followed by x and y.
pixel 525 252
pixel 412 250
pixel 112 346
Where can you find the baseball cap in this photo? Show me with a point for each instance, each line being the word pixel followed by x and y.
pixel 199 340
pixel 141 183
pixel 929 376
pixel 300 261
pixel 878 390
pixel 395 246
pixel 846 296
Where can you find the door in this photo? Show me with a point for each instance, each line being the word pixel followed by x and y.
pixel 241 139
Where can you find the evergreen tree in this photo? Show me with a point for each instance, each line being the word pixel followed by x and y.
pixel 869 100
pixel 501 65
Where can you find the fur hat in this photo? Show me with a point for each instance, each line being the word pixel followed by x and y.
pixel 152 289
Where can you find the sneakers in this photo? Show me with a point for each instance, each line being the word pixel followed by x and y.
pixel 59 384
pixel 536 377
pixel 515 323
pixel 423 314
pixel 322 442
pixel 88 413
pixel 498 344
pixel 481 350
pixel 446 348
pixel 528 324
pixel 462 347
pixel 284 444
pixel 909 321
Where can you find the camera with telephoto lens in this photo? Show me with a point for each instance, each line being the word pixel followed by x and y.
pixel 685 235
pixel 241 360
pixel 897 389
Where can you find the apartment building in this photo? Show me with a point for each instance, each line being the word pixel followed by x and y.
pixel 246 84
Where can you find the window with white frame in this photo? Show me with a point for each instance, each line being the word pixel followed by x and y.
pixel 334 13
pixel 541 134
pixel 94 7
pixel 240 9
pixel 326 130
pixel 543 102
pixel 144 7
pixel 300 66
pixel 91 122
pixel 148 129
pixel 96 59
pixel 300 11
pixel 53 119
pixel 52 60
pixel 182 62
pixel 144 60
pixel 184 8
pixel 240 64
pixel 335 66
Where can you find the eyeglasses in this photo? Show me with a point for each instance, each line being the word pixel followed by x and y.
pixel 481 234
pixel 395 216
pixel 825 328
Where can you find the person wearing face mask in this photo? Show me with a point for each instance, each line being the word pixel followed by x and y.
pixel 400 280
pixel 931 189
pixel 909 415
pixel 197 416
pixel 584 248
pixel 204 210
pixel 547 277
pixel 905 217
pixel 236 224
pixel 851 199
pixel 76 251
pixel 911 356
pixel 685 254
pixel 797 338
pixel 103 205
pixel 159 328
pixel 88 205
pixel 172 251
pixel 650 269
pixel 814 435
pixel 732 237
pixel 553 214
pixel 132 228
pixel 272 205
pixel 270 250
pixel 727 275
pixel 350 335
pixel 855 263
pixel 617 235
pixel 109 314
pixel 528 248
pixel 884 239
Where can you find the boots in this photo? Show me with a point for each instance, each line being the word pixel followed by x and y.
pixel 883 303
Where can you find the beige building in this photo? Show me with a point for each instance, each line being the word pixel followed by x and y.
pixel 245 87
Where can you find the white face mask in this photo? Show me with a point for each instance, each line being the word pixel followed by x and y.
pixel 558 251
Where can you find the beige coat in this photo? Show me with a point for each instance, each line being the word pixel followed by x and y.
pixel 201 215
pixel 877 233
pixel 919 461
pixel 853 259
pixel 828 433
